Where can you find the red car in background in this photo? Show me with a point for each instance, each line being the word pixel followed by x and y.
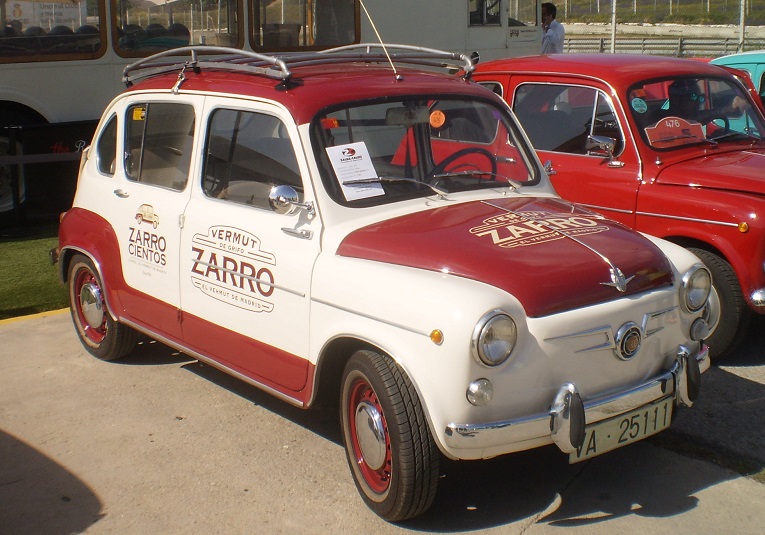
pixel 671 147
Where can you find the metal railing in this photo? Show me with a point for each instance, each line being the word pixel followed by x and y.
pixel 690 47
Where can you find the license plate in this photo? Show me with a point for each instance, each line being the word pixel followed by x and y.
pixel 624 429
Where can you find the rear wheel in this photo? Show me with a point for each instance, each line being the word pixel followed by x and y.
pixel 734 312
pixel 101 335
pixel 390 451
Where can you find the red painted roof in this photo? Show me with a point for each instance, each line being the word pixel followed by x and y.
pixel 315 87
pixel 619 70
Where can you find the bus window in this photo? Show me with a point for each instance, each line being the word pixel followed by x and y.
pixel 303 23
pixel 484 12
pixel 37 31
pixel 155 25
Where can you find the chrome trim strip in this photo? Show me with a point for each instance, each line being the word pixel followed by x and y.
pixel 693 219
pixel 215 364
pixel 650 214
pixel 373 318
pixel 535 427
pixel 248 277
pixel 606 330
pixel 609 208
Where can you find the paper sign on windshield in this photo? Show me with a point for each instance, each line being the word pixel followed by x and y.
pixel 351 162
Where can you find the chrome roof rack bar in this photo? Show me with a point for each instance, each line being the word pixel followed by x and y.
pixel 277 66
pixel 233 60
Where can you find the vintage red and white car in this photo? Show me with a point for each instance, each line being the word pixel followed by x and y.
pixel 333 228
pixel 671 147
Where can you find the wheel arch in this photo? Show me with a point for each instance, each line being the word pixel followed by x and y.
pixel 66 256
pixel 330 365
pixel 14 113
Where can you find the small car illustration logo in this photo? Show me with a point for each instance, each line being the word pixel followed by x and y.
pixel 146 214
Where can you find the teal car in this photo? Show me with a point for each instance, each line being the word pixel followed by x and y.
pixel 753 64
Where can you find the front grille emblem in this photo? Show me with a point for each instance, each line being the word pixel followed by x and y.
pixel 628 340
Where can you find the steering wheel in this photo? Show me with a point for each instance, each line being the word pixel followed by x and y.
pixel 441 167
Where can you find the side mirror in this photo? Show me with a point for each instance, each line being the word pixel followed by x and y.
pixel 284 199
pixel 603 146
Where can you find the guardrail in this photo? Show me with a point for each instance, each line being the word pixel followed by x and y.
pixel 663 46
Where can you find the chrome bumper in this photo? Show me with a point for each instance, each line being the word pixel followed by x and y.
pixel 758 297
pixel 563 424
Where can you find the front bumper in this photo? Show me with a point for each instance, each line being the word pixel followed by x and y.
pixel 563 424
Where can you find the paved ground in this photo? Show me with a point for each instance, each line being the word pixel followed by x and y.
pixel 162 444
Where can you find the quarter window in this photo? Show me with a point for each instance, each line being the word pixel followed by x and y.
pixel 106 148
pixel 158 143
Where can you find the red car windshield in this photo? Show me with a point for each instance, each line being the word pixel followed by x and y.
pixel 677 112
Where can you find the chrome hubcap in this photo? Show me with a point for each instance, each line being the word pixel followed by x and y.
pixel 90 304
pixel 370 435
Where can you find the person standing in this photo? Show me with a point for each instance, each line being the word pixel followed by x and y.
pixel 554 34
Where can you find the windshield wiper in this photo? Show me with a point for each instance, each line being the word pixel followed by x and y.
pixel 730 134
pixel 478 174
pixel 393 179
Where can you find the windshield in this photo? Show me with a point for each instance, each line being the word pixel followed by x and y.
pixel 377 153
pixel 676 112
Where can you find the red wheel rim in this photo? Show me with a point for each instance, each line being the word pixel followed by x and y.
pixel 94 334
pixel 377 479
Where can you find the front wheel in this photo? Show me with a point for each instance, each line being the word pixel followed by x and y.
pixel 101 335
pixel 734 312
pixel 390 451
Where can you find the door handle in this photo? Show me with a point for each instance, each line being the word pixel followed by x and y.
pixel 121 193
pixel 304 234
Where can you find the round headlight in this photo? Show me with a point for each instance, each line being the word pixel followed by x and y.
pixel 697 285
pixel 494 338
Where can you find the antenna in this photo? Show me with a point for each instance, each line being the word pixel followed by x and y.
pixel 369 17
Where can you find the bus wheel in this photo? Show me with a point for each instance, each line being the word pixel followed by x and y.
pixel 99 333
pixel 390 451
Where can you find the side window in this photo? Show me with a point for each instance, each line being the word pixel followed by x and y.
pixel 604 123
pixel 159 139
pixel 106 147
pixel 560 118
pixel 246 155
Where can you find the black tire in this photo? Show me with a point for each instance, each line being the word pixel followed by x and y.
pixel 99 333
pixel 735 315
pixel 395 464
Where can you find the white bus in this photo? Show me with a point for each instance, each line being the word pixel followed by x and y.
pixel 61 63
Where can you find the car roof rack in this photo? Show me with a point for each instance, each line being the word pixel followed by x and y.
pixel 277 66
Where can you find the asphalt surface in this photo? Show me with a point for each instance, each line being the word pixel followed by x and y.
pixel 159 443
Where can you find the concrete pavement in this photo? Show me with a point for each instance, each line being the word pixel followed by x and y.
pixel 159 443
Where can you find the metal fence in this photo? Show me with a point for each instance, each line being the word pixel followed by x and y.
pixel 690 47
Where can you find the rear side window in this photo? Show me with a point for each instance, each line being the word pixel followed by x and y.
pixel 158 143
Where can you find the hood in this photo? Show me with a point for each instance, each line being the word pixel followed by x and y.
pixel 742 171
pixel 548 254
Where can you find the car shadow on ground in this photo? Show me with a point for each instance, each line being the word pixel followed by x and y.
pixel 38 495
pixel 539 486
